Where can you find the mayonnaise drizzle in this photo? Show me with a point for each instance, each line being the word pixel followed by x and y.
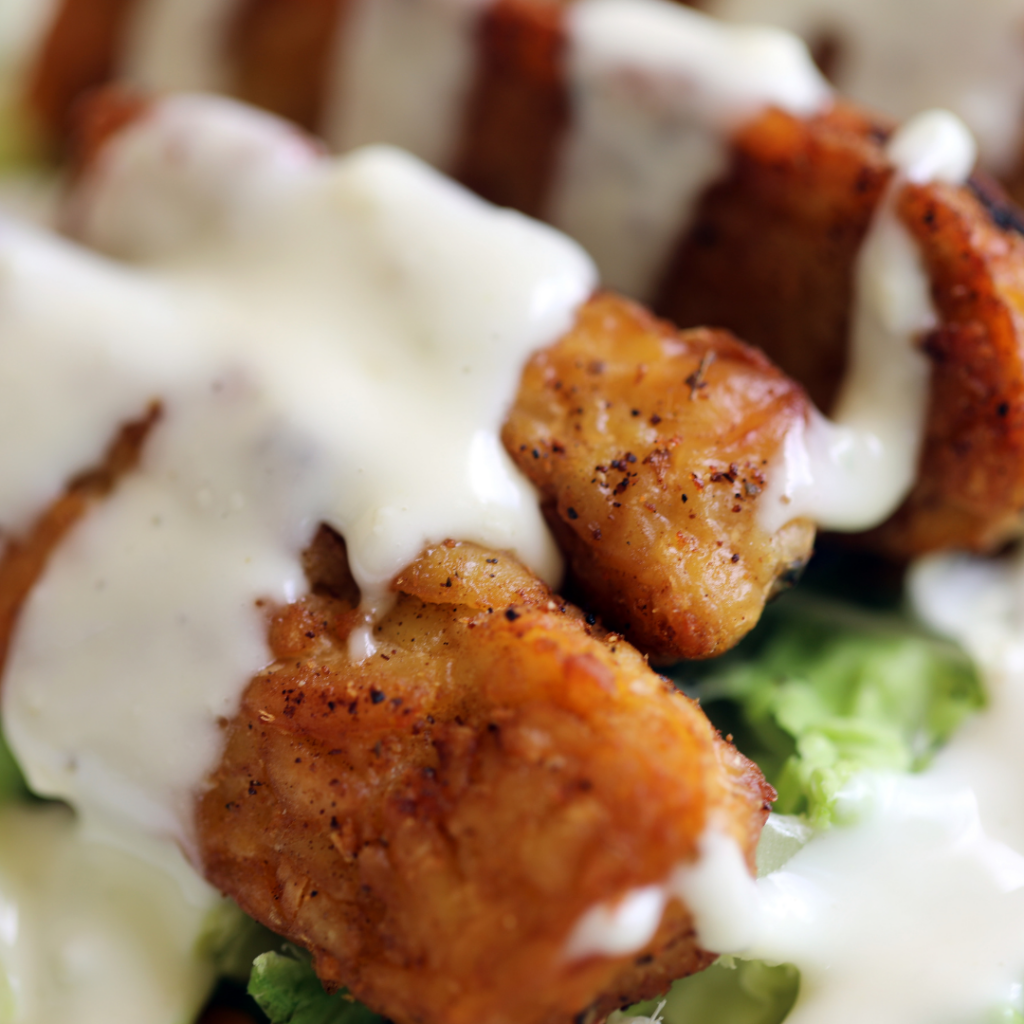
pixel 657 90
pixel 331 341
pixel 716 888
pixel 851 472
pixel 91 934
pixel 910 910
pixel 902 56
pixel 401 74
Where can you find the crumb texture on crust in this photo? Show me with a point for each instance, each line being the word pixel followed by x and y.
pixel 650 448
pixel 433 821
pixel 771 256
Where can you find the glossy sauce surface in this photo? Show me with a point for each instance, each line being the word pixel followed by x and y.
pixel 317 333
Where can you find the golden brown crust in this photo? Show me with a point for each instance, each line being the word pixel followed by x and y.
pixel 970 488
pixel 432 822
pixel 771 256
pixel 649 447
pixel 771 250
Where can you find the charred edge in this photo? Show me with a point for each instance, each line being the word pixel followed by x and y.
pixel 1001 210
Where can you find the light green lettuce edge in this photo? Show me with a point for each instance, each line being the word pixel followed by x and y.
pixel 822 692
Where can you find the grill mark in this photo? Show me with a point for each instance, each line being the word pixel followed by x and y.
pixel 80 52
pixel 518 111
pixel 281 53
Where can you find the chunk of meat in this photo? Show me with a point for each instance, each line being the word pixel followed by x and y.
pixel 432 822
pixel 771 256
pixel 770 252
pixel 650 448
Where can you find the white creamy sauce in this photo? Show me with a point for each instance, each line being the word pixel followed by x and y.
pixel 902 56
pixel 318 333
pixel 90 934
pixel 177 45
pixel 911 909
pixel 656 91
pixel 401 75
pixel 911 914
pixel 716 888
pixel 851 472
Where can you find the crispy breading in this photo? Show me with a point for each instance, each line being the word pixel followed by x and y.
pixel 970 488
pixel 770 253
pixel 771 256
pixel 649 447
pixel 654 510
pixel 433 821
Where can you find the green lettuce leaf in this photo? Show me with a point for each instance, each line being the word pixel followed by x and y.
pixel 288 991
pixel 728 992
pixel 823 691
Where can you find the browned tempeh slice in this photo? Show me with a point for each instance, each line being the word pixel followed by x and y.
pixel 650 448
pixel 432 822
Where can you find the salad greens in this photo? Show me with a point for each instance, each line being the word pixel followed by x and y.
pixel 728 992
pixel 289 992
pixel 820 692
pixel 817 693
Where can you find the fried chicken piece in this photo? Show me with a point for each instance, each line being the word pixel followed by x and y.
pixel 771 256
pixel 433 822
pixel 771 251
pixel 519 110
pixel 649 447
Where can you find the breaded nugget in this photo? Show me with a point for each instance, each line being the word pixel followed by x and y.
pixel 771 256
pixel 649 447
pixel 433 822
pixel 769 253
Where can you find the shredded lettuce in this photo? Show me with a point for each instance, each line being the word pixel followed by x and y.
pixel 824 691
pixel 288 991
pixel 728 992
